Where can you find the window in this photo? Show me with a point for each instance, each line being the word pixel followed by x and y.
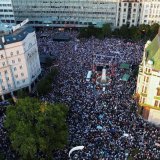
pixel 9 86
pixel 156 103
pixel 19 60
pixel 11 53
pixel 3 63
pixel 5 72
pixel 13 61
pixel 158 91
pixel 17 82
pixel 147 80
pixel 2 56
pixel 20 67
pixel 16 75
pixel 22 74
pixel 142 88
pixel 7 78
pixel 17 52
pixel 143 100
pixel 23 80
pixel 3 87
pixel 145 91
pixel 15 68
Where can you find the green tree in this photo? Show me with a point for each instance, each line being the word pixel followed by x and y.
pixel 106 30
pixel 35 126
pixel 21 93
pixel 144 30
pixel 44 86
pixel 124 32
pixel 154 30
pixel 134 33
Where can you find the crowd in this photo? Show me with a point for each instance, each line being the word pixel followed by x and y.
pixel 106 124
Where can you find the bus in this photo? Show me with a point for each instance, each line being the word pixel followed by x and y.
pixel 89 74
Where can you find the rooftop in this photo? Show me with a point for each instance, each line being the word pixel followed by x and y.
pixel 153 52
pixel 16 36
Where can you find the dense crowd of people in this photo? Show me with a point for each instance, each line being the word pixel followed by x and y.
pixel 106 124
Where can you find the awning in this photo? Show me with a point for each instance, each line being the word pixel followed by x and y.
pixel 125 77
pixel 124 66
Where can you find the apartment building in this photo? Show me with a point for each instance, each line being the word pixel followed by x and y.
pixel 150 12
pixel 6 12
pixel 129 13
pixel 148 82
pixel 62 13
pixel 19 60
pixel 81 13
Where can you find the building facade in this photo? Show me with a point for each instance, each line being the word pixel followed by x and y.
pixel 62 13
pixel 148 82
pixel 129 13
pixel 6 12
pixel 150 12
pixel 81 13
pixel 19 60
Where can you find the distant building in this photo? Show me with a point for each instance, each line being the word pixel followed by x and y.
pixel 150 12
pixel 148 82
pixel 65 13
pixel 80 13
pixel 19 60
pixel 6 12
pixel 129 13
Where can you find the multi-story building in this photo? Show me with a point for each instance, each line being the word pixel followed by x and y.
pixel 129 13
pixel 150 12
pixel 19 60
pixel 6 12
pixel 148 82
pixel 81 13
pixel 66 13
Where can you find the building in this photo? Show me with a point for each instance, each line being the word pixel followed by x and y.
pixel 80 13
pixel 150 12
pixel 19 60
pixel 66 13
pixel 129 13
pixel 6 12
pixel 148 82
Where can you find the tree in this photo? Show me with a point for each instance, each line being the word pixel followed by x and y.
pixel 106 30
pixel 44 86
pixel 36 127
pixel 124 32
pixel 134 33
pixel 154 30
pixel 144 29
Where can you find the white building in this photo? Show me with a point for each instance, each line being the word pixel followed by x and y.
pixel 66 13
pixel 6 12
pixel 129 13
pixel 80 13
pixel 150 12
pixel 148 82
pixel 19 60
